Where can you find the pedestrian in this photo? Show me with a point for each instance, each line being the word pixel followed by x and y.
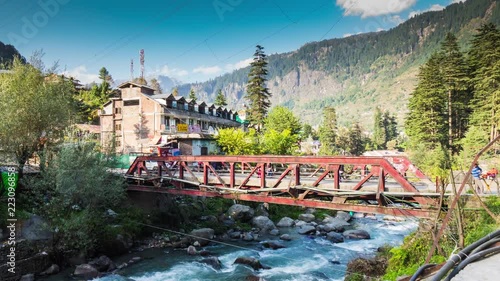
pixel 476 178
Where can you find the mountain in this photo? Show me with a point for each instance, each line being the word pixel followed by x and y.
pixel 7 54
pixel 167 83
pixel 357 73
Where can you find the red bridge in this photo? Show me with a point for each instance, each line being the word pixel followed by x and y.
pixel 381 185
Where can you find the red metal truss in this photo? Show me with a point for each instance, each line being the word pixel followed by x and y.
pixel 302 181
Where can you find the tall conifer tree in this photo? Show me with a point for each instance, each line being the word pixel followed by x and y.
pixel 257 93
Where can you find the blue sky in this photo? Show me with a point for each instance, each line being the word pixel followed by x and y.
pixel 190 40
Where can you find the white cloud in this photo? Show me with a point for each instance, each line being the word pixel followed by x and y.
pixel 370 8
pixel 80 73
pixel 167 71
pixel 207 70
pixel 456 1
pixel 435 7
pixel 238 65
pixel 395 19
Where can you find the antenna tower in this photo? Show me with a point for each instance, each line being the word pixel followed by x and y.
pixel 142 64
pixel 131 69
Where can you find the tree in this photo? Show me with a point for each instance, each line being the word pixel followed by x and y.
pixel 93 99
pixel 306 131
pixel 426 120
pixel 356 141
pixel 281 118
pixel 328 131
pixel 237 142
pixel 175 92
pixel 280 143
pixel 257 93
pixel 379 130
pixel 220 99
pixel 455 82
pixel 156 85
pixel 34 110
pixel 484 63
pixel 192 95
pixel 140 80
pixel 73 192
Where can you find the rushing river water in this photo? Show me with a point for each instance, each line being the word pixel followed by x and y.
pixel 304 258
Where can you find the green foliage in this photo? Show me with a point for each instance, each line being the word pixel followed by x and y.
pixel 192 95
pixel 34 109
pixel 258 94
pixel 279 143
pixel 237 142
pixel 281 118
pixel 156 85
pixel 433 161
pixel 328 131
pixel 7 55
pixel 220 99
pixel 276 212
pixel 74 192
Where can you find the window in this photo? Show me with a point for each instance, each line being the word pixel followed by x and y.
pixel 186 107
pixel 118 110
pixel 196 107
pixel 174 104
pixel 118 143
pixel 130 102
pixel 118 127
pixel 167 121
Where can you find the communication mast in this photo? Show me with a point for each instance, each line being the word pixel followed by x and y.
pixel 131 69
pixel 142 64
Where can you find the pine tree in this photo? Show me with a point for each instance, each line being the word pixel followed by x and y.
pixel 484 63
pixel 257 93
pixel 175 92
pixel 356 140
pixel 379 130
pixel 328 131
pixel 426 120
pixel 156 85
pixel 220 99
pixel 192 95
pixel 455 79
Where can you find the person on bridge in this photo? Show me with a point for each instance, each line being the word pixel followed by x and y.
pixel 476 178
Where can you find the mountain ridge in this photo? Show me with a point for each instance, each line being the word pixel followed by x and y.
pixel 358 72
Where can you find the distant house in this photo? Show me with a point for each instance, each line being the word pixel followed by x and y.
pixel 137 120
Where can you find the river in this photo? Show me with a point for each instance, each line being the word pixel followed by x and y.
pixel 304 258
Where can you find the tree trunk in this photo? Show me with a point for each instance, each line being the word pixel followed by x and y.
pixel 450 123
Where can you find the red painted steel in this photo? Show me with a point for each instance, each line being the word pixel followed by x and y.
pixel 235 176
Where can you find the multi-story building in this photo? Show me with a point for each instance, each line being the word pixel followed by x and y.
pixel 137 120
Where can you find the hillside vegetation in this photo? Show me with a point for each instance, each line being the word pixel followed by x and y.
pixel 357 73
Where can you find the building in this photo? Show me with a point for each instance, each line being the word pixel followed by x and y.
pixel 138 120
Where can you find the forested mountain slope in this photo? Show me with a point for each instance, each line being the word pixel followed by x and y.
pixel 357 73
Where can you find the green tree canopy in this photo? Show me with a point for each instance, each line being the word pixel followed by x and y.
pixel 192 95
pixel 281 118
pixel 34 110
pixel 279 143
pixel 237 142
pixel 258 94
pixel 328 132
pixel 220 99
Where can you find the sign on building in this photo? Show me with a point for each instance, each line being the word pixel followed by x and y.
pixel 182 128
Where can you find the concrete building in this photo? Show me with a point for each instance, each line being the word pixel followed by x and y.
pixel 138 120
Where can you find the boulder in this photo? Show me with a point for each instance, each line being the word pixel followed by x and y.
pixel 393 218
pixel 203 235
pixel 234 234
pixel 285 237
pixel 358 215
pixel 261 210
pixel 286 222
pixel 248 236
pixel 214 262
pixel 274 232
pixel 191 250
pixel 356 234
pixel 196 244
pixel 103 264
pixel 335 221
pixel 28 277
pixel 343 215
pixel 299 223
pixel 310 211
pixel 306 229
pixel 338 227
pixel 53 269
pixel 240 212
pixel 272 245
pixel 307 217
pixel 86 271
pixel 263 223
pixel 335 237
pixel 35 228
pixel 252 262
